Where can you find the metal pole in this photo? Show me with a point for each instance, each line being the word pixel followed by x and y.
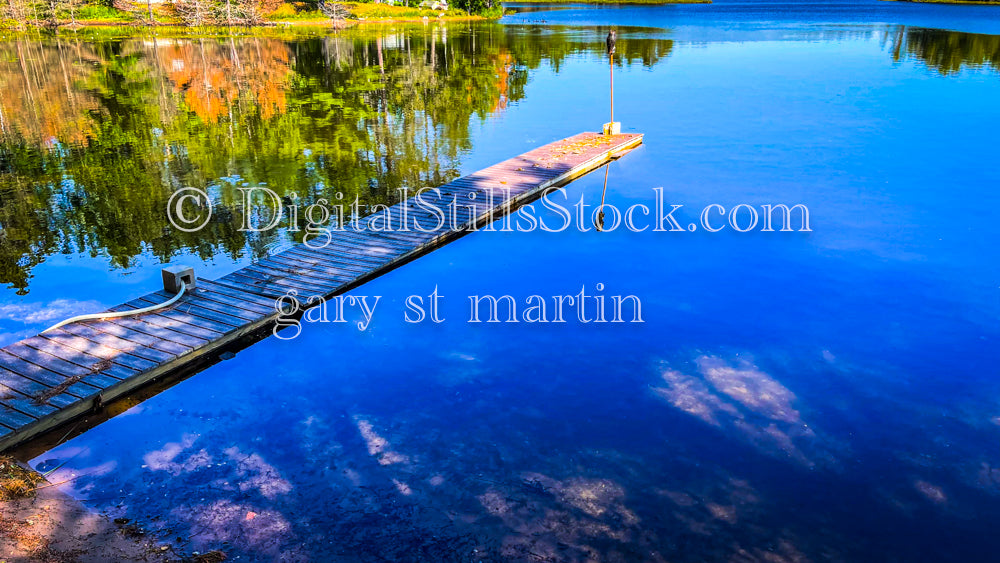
pixel 611 74
pixel 600 215
pixel 611 67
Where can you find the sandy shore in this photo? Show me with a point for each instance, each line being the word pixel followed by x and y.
pixel 52 527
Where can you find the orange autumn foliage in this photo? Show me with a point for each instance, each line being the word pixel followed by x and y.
pixel 211 76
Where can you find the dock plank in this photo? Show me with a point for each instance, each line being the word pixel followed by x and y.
pixel 164 331
pixel 182 312
pixel 175 321
pixel 273 280
pixel 97 350
pixel 126 340
pixel 204 300
pixel 13 419
pixel 146 349
pixel 315 271
pixel 322 264
pixel 311 268
pixel 52 360
pixel 251 308
pixel 269 286
pixel 78 388
pixel 25 404
pixel 206 314
pixel 31 388
pixel 242 296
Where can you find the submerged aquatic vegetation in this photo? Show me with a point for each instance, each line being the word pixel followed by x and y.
pixel 16 481
pixel 210 557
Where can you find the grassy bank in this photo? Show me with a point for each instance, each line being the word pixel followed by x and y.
pixel 288 13
pixel 622 2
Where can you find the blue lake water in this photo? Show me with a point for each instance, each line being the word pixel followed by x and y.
pixel 790 396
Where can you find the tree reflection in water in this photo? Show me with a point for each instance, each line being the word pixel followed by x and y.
pixel 945 51
pixel 95 135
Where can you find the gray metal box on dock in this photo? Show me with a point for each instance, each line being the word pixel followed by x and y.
pixel 174 275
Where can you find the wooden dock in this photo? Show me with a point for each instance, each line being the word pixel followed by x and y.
pixel 52 378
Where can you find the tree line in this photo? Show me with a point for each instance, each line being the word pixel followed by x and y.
pixel 20 14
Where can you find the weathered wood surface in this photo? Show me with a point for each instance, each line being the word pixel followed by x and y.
pixel 52 378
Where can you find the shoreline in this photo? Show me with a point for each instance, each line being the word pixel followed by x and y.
pixel 318 20
pixel 357 13
pixel 618 2
pixel 39 522
pixel 324 23
pixel 80 24
pixel 959 2
pixel 351 23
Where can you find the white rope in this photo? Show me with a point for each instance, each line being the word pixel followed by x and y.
pixel 144 310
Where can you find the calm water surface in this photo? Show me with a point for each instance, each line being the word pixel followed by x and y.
pixel 830 395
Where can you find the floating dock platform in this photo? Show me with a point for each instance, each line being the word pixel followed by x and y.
pixel 49 380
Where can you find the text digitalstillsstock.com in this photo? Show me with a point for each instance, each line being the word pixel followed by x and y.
pixel 432 211
pixel 581 307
